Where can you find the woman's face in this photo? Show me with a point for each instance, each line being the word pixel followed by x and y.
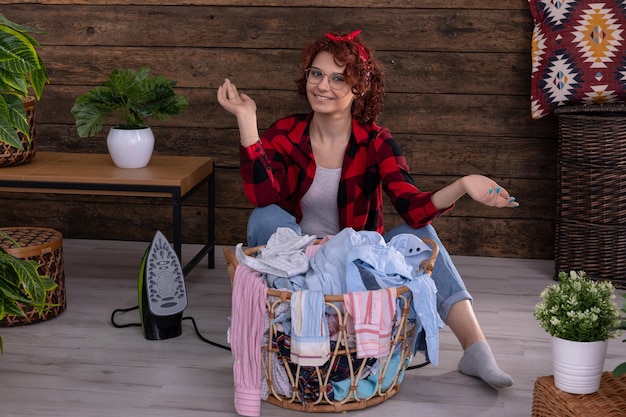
pixel 326 92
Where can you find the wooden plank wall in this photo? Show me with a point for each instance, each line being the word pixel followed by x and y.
pixel 458 77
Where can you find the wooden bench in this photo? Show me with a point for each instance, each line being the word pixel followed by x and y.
pixel 176 177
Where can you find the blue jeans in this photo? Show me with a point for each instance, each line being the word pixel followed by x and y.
pixel 264 221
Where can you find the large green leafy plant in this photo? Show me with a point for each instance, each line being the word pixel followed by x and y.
pixel 22 73
pixel 21 286
pixel 578 308
pixel 133 96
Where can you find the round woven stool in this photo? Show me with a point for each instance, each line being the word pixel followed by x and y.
pixel 44 246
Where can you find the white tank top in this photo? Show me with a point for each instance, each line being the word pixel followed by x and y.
pixel 320 214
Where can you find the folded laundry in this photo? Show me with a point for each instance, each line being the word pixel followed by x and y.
pixel 283 256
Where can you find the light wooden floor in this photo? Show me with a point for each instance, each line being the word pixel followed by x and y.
pixel 79 365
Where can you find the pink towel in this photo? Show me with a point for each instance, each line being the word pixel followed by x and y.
pixel 372 315
pixel 246 334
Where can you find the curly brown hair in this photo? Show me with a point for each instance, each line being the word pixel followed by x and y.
pixel 364 76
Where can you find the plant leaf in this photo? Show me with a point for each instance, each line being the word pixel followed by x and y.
pixel 9 307
pixel 19 56
pixel 620 370
pixel 12 106
pixel 12 81
pixel 10 288
pixel 48 284
pixel 6 22
pixel 38 79
pixel 89 118
pixel 25 277
pixel 9 135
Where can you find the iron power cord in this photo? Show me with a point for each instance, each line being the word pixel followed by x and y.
pixel 193 321
pixel 123 310
pixel 419 365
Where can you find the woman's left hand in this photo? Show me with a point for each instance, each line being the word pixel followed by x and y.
pixel 487 191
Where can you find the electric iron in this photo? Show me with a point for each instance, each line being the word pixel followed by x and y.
pixel 161 291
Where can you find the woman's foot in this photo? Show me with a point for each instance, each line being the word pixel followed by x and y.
pixel 478 361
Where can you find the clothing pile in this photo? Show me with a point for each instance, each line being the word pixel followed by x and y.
pixel 359 266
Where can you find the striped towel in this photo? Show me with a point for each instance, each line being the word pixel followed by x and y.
pixel 310 339
pixel 372 314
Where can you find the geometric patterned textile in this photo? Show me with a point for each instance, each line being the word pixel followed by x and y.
pixel 578 53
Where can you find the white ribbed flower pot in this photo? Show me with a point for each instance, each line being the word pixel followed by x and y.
pixel 130 148
pixel 578 366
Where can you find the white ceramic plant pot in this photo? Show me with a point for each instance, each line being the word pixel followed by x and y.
pixel 578 366
pixel 130 148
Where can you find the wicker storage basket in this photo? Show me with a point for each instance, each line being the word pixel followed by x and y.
pixel 591 203
pixel 46 247
pixel 608 401
pixel 401 341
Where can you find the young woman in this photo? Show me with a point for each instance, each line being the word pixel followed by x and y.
pixel 320 172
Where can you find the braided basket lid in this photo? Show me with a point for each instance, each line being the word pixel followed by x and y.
pixel 32 241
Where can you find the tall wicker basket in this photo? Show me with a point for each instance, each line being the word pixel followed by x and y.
pixel 591 203
pixel 388 380
pixel 46 247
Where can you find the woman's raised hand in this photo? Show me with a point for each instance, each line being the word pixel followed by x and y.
pixel 239 104
pixel 242 106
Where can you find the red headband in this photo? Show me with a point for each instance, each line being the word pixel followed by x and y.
pixel 351 38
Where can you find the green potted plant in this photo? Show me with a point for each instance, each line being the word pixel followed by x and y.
pixel 22 79
pixel 621 368
pixel 581 316
pixel 131 97
pixel 21 285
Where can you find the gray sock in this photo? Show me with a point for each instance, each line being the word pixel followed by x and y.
pixel 478 361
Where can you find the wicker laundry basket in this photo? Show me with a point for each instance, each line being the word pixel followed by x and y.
pixel 317 398
pixel 591 197
pixel 46 247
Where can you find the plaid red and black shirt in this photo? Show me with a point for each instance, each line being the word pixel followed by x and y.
pixel 280 169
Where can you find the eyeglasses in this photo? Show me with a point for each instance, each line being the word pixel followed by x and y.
pixel 316 75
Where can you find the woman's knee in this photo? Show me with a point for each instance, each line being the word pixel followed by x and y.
pixel 264 221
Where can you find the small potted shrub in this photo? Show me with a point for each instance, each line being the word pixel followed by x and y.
pixel 131 97
pixel 22 79
pixel 581 316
